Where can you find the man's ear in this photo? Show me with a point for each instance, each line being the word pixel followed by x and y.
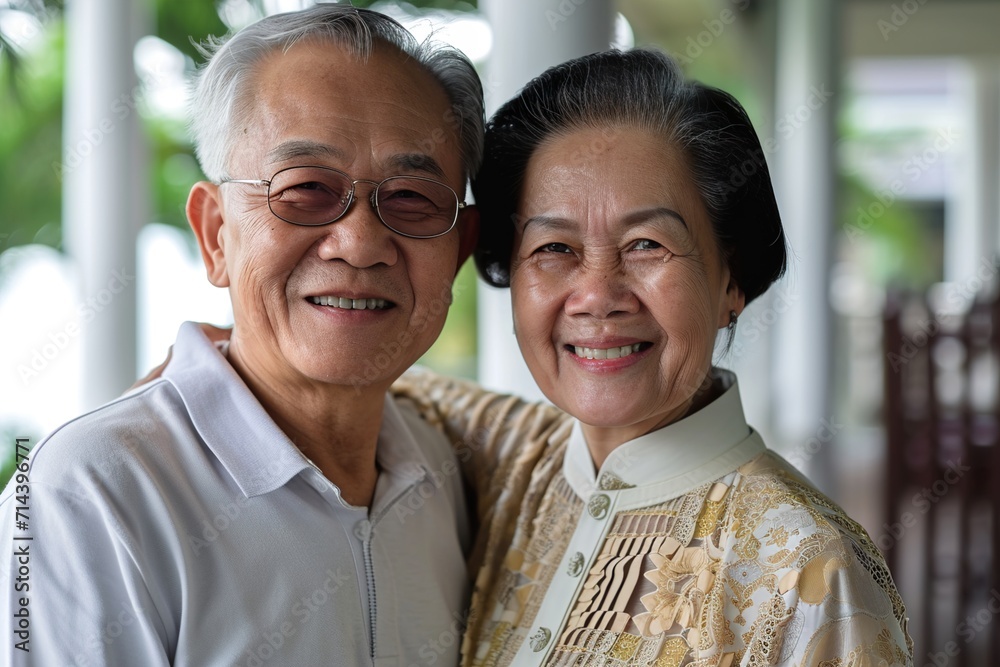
pixel 204 213
pixel 468 234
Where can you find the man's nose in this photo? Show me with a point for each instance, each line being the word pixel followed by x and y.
pixel 359 237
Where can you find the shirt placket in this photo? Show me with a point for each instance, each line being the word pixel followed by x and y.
pixel 567 582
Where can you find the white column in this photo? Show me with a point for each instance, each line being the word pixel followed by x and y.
pixel 529 36
pixel 805 183
pixel 104 179
pixel 972 211
pixel 751 353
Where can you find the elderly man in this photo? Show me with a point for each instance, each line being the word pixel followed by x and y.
pixel 245 508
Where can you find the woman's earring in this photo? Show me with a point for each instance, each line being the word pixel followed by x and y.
pixel 732 320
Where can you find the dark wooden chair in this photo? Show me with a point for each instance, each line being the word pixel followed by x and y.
pixel 941 534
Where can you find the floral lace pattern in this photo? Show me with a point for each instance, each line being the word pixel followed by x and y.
pixel 754 568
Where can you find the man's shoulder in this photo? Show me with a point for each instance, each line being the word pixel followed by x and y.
pixel 126 429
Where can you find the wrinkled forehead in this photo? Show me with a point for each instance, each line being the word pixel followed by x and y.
pixel 367 109
pixel 625 165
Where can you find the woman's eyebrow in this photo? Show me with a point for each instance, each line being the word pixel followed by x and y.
pixel 647 214
pixel 634 218
pixel 545 221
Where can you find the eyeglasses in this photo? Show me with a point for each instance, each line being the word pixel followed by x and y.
pixel 413 206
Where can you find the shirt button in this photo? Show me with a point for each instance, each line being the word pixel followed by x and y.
pixel 540 639
pixel 598 506
pixel 575 565
pixel 363 530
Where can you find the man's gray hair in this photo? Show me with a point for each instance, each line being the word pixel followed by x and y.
pixel 223 93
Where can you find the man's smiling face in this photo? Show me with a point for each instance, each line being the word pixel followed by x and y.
pixel 318 105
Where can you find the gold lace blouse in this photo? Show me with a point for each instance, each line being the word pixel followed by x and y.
pixel 692 546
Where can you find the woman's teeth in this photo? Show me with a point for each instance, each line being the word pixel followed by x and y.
pixel 609 353
pixel 349 304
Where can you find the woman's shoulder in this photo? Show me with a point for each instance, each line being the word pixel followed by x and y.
pixel 785 539
pixel 772 490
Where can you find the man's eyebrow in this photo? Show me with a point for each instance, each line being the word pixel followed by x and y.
pixel 648 214
pixel 403 162
pixel 409 162
pixel 301 148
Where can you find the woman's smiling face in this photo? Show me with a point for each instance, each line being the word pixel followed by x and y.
pixel 617 281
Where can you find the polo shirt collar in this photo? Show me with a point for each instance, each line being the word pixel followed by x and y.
pixel 687 453
pixel 239 432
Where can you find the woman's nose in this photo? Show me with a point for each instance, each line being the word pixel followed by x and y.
pixel 601 291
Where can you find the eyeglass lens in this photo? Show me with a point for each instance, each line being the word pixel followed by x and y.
pixel 317 196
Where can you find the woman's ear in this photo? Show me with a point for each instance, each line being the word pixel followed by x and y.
pixel 734 300
pixel 204 214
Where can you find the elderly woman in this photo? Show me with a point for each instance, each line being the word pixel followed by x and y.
pixel 632 216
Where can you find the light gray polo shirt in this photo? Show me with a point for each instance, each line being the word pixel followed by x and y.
pixel 178 525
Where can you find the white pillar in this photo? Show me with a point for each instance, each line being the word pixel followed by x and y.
pixel 104 181
pixel 972 211
pixel 529 36
pixel 751 353
pixel 805 183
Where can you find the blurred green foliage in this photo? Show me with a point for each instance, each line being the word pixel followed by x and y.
pixel 454 352
pixel 182 23
pixel 885 234
pixel 8 451
pixel 30 136
pixel 890 242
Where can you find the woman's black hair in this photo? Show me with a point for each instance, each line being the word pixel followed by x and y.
pixel 644 89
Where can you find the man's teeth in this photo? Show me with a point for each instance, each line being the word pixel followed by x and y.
pixel 349 304
pixel 609 353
